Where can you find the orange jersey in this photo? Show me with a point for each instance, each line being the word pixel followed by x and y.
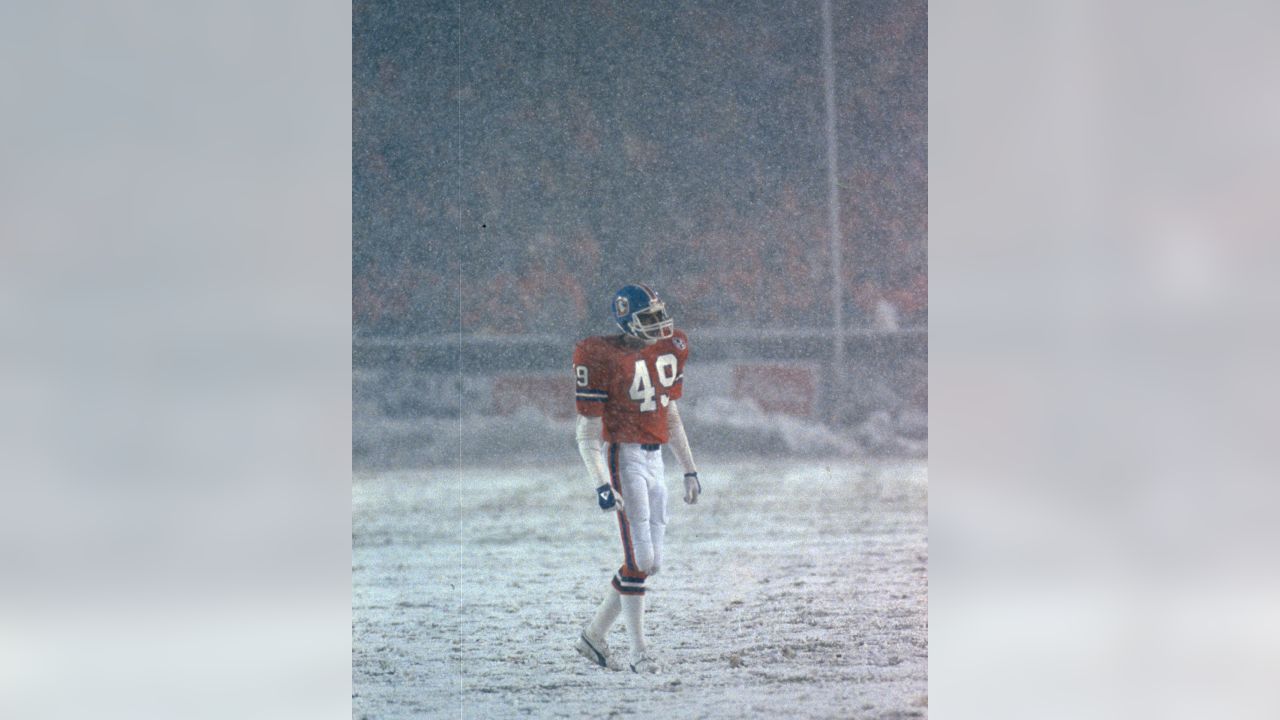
pixel 630 386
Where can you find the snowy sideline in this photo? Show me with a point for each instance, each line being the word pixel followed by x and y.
pixel 793 588
pixel 717 426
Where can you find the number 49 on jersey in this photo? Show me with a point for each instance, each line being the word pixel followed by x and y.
pixel 642 388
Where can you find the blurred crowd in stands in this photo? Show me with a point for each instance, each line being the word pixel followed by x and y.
pixel 567 148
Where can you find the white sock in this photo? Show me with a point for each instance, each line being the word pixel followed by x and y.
pixel 605 614
pixel 633 616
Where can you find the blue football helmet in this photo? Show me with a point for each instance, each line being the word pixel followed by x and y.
pixel 640 313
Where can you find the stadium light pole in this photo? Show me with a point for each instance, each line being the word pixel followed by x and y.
pixel 833 208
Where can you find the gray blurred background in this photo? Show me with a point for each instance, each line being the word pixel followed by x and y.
pixel 514 163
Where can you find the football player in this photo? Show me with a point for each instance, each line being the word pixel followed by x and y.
pixel 627 388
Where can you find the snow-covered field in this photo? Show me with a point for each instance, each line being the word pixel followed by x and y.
pixel 792 589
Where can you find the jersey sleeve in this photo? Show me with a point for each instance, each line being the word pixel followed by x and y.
pixel 591 381
pixel 681 343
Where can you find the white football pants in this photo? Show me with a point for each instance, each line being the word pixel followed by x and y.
pixel 637 475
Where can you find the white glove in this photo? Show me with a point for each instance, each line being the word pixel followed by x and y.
pixel 692 488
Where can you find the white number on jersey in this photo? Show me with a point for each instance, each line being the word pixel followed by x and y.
pixel 581 372
pixel 642 386
pixel 666 367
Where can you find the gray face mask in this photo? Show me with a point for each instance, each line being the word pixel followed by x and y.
pixel 653 323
